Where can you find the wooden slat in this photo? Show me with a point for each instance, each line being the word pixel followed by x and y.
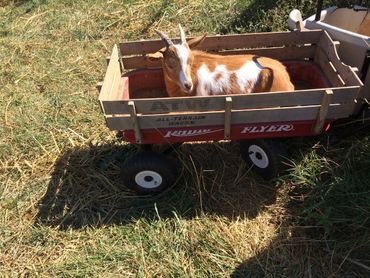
pixel 364 93
pixel 327 67
pixel 260 100
pixel 298 113
pixel 297 52
pixel 109 88
pixel 135 122
pixel 227 119
pixel 230 41
pixel 328 46
pixel 323 111
pixel 281 53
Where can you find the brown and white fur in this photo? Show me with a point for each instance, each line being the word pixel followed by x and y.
pixel 189 72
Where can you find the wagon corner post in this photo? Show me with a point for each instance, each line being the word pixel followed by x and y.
pixel 227 120
pixel 323 111
pixel 135 122
pixel 112 78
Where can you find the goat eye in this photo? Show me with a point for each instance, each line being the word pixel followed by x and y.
pixel 171 64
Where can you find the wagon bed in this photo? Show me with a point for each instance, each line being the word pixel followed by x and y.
pixel 326 91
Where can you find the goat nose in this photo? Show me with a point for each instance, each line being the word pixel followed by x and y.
pixel 187 85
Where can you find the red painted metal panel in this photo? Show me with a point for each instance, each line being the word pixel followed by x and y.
pixel 215 133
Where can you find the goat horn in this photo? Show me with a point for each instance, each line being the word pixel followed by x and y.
pixel 182 34
pixel 164 38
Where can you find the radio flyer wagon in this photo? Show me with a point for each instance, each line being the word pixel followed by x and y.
pixel 133 100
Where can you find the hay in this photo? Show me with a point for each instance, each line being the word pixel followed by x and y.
pixel 63 208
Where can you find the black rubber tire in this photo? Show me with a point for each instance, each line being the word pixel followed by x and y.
pixel 149 172
pixel 272 149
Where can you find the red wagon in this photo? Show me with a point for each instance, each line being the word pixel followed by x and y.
pixel 134 101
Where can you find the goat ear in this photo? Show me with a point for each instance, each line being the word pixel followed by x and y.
pixel 153 57
pixel 196 41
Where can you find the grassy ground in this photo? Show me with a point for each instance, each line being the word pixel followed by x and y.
pixel 63 210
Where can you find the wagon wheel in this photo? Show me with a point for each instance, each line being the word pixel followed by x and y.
pixel 266 155
pixel 149 172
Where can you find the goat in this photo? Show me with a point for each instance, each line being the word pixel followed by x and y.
pixel 190 72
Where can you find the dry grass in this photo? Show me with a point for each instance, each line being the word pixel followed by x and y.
pixel 63 210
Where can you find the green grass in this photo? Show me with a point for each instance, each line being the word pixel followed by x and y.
pixel 63 209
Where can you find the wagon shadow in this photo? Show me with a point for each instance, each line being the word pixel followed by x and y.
pixel 329 243
pixel 85 188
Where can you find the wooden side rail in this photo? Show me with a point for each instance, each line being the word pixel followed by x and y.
pixel 327 57
pixel 295 52
pixel 217 103
pixel 217 118
pixel 252 40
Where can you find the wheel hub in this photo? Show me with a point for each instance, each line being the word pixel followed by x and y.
pixel 258 156
pixel 148 179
